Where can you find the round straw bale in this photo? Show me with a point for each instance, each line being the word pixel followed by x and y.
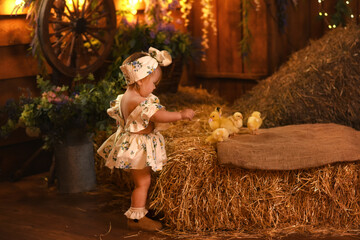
pixel 319 84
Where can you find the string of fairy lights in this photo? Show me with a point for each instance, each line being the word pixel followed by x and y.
pixel 343 10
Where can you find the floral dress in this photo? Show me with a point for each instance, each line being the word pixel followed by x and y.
pixel 127 150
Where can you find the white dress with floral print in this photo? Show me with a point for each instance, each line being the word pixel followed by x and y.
pixel 127 150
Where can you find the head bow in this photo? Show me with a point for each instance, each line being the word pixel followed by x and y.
pixel 143 66
pixel 162 57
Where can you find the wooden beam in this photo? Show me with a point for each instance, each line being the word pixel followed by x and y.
pixel 14 31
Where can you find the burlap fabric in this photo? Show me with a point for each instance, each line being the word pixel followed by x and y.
pixel 292 147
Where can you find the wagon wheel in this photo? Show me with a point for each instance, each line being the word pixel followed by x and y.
pixel 76 35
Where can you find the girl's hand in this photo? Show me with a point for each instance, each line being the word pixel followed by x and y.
pixel 187 114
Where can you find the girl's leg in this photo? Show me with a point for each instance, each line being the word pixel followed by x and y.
pixel 136 213
pixel 142 180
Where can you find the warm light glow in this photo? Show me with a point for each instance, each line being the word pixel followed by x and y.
pixel 325 14
pixel 347 2
pixel 330 26
pixel 133 2
pixel 9 7
pixel 129 8
pixel 133 6
pixel 320 13
pixel 19 2
pixel 70 4
pixel 352 15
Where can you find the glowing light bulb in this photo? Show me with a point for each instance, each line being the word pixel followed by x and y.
pixel 319 1
pixel 330 26
pixel 19 2
pixel 352 15
pixel 320 14
pixel 347 2
pixel 325 14
pixel 334 26
pixel 133 2
pixel 133 6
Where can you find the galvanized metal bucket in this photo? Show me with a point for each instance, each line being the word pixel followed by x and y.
pixel 74 163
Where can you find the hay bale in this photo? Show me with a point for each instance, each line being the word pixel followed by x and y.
pixel 319 84
pixel 196 194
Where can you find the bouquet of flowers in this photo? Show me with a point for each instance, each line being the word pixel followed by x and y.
pixel 61 108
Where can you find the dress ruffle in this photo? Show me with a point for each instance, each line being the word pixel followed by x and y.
pixel 127 150
pixel 115 111
pixel 139 118
pixel 135 213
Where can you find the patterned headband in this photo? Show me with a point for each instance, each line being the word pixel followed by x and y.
pixel 142 67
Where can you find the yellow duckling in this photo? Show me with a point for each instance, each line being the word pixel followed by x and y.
pixel 254 122
pixel 214 119
pixel 237 119
pixel 218 135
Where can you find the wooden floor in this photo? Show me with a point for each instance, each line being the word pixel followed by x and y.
pixel 29 210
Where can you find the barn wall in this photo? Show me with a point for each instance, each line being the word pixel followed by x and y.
pixel 225 71
pixel 18 69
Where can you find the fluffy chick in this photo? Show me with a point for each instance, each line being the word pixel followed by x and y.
pixel 237 119
pixel 218 135
pixel 214 119
pixel 229 125
pixel 217 121
pixel 254 122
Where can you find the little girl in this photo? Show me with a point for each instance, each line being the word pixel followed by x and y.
pixel 137 144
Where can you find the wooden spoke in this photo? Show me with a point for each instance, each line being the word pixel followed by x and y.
pixel 98 29
pixel 63 51
pixel 95 9
pixel 83 9
pixel 91 45
pixel 87 8
pixel 105 14
pixel 58 31
pixel 53 20
pixel 68 16
pixel 95 35
pixel 68 62
pixel 75 9
pixel 60 40
pixel 78 54
pixel 86 54
pixel 73 17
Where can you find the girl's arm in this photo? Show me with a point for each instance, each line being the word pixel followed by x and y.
pixel 163 116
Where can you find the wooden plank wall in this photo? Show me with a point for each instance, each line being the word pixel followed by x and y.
pixel 18 69
pixel 17 66
pixel 225 72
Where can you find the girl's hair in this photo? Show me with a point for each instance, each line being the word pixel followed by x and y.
pixel 135 56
